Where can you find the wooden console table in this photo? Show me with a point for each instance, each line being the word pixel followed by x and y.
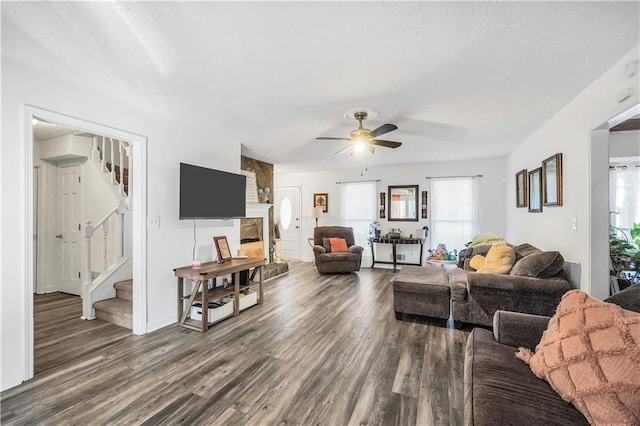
pixel 201 293
pixel 394 242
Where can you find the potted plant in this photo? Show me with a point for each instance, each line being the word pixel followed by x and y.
pixel 374 229
pixel 622 253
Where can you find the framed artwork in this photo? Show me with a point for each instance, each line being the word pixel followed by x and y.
pixel 382 205
pixel 521 189
pixel 535 190
pixel 552 180
pixel 222 247
pixel 424 205
pixel 321 200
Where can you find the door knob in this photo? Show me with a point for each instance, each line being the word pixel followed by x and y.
pixel 59 236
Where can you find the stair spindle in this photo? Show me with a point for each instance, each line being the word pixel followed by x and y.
pixel 85 274
pixel 105 234
pixel 113 163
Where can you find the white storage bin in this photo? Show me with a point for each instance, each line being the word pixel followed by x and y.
pixel 215 313
pixel 248 300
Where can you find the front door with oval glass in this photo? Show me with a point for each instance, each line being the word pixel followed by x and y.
pixel 287 214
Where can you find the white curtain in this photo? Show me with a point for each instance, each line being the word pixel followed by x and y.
pixel 454 211
pixel 624 196
pixel 358 201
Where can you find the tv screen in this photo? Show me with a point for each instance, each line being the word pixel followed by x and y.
pixel 211 194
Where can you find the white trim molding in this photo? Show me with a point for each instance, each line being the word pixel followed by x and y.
pixel 139 213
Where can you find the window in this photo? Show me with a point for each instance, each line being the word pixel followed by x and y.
pixel 359 206
pixel 454 212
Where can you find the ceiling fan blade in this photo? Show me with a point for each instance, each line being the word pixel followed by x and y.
pixel 332 139
pixel 342 150
pixel 386 144
pixel 385 128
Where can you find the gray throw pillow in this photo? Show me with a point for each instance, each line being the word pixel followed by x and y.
pixel 628 299
pixel 524 250
pixel 326 243
pixel 545 264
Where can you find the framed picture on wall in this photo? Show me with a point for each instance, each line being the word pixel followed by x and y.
pixel 521 189
pixel 383 204
pixel 222 247
pixel 535 190
pixel 552 180
pixel 423 205
pixel 321 200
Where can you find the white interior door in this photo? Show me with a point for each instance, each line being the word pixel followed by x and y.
pixel 287 213
pixel 69 202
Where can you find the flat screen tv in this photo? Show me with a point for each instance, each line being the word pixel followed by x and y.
pixel 211 194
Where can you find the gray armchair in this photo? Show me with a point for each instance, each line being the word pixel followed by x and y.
pixel 332 263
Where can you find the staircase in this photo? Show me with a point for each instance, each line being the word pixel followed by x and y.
pixel 107 271
pixel 121 178
pixel 118 310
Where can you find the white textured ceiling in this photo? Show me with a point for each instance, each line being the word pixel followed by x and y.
pixel 461 80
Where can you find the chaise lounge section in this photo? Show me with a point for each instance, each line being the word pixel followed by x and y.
pixel 534 285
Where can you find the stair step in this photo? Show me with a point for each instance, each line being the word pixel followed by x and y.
pixel 124 290
pixel 116 311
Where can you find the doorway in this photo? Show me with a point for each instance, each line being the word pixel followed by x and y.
pixel 597 282
pixel 34 209
pixel 287 215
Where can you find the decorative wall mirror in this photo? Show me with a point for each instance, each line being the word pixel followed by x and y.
pixel 552 180
pixel 535 190
pixel 403 203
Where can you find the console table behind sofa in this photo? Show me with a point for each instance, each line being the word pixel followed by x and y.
pixel 394 242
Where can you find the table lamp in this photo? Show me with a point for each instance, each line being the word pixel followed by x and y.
pixel 315 213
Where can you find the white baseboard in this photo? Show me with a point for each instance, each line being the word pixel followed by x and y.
pixel 162 322
pixel 12 379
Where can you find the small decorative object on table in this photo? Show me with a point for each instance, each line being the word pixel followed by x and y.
pixel 222 247
pixel 394 233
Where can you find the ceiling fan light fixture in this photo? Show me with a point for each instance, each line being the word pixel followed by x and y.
pixel 359 145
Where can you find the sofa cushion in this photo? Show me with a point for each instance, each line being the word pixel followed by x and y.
pixel 590 354
pixel 458 284
pixel 524 250
pixel 545 264
pixel 628 299
pixel 499 260
pixel 501 390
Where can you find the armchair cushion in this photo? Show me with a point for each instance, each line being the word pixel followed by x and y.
pixel 338 245
pixel 544 264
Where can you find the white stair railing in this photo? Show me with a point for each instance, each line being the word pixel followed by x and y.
pixel 114 157
pixel 118 251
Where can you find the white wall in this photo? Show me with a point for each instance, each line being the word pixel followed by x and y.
pixel 624 144
pixel 569 132
pixel 491 193
pixel 169 142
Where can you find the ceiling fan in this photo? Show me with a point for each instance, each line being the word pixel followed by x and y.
pixel 362 138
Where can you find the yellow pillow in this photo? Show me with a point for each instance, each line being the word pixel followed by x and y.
pixel 499 260
pixel 477 262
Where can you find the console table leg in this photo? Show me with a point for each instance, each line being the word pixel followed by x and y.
pixel 180 295
pixel 393 249
pixel 260 290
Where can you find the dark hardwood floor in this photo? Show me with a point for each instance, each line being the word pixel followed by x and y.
pixel 320 350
